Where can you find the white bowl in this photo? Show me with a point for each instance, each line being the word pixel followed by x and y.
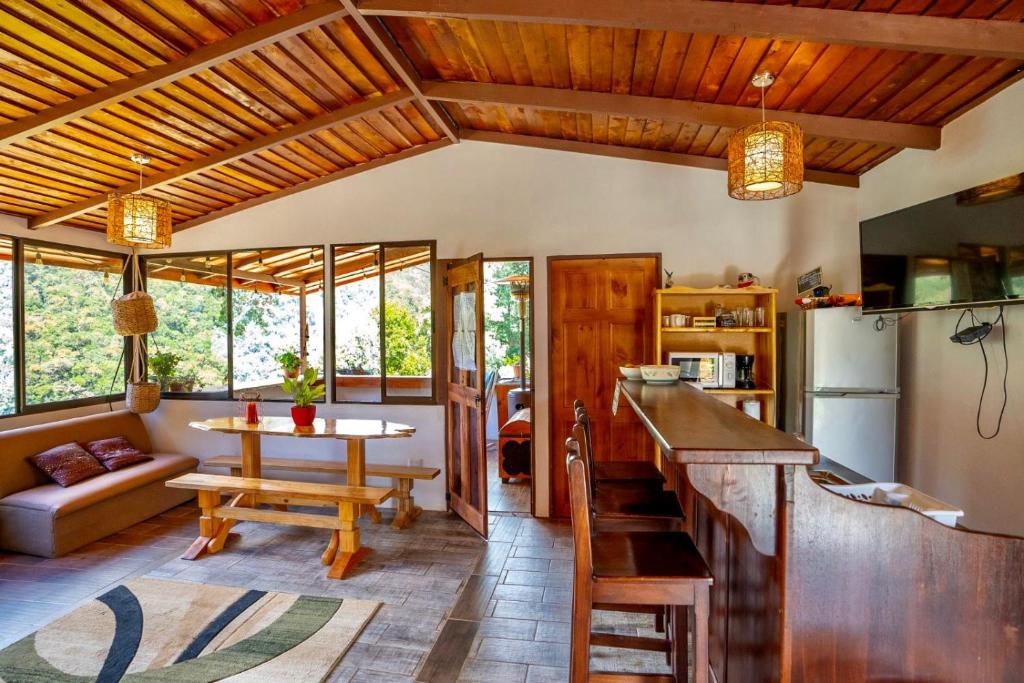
pixel 659 374
pixel 630 373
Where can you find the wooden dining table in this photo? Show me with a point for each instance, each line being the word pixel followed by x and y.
pixel 354 432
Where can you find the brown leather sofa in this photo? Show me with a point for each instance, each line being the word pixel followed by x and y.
pixel 39 517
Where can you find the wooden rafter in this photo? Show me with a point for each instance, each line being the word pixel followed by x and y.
pixel 393 55
pixel 316 182
pixel 639 154
pixel 200 59
pixel 665 109
pixel 911 33
pixel 206 163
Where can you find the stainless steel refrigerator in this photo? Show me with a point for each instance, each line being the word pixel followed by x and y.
pixel 850 389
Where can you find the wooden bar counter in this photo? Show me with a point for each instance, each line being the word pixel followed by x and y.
pixel 814 587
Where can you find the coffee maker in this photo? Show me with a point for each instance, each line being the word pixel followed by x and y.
pixel 745 372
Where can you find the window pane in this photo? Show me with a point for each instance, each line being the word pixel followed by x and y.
pixel 271 287
pixel 408 330
pixel 188 353
pixel 6 326
pixel 71 348
pixel 357 323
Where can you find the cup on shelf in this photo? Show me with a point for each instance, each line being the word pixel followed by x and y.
pixel 666 321
pixel 759 316
pixel 678 320
pixel 752 407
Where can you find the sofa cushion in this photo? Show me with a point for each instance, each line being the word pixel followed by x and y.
pixel 115 453
pixel 62 501
pixel 17 445
pixel 67 464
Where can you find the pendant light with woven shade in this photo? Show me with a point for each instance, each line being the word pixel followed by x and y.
pixel 137 220
pixel 766 159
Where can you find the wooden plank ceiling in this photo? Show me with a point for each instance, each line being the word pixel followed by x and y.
pixel 243 101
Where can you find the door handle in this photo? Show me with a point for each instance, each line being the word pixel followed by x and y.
pixel 476 399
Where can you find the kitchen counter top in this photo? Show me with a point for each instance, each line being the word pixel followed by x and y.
pixel 692 427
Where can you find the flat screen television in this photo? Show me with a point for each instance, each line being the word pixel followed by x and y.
pixel 963 249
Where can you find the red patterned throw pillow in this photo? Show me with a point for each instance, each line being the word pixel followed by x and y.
pixel 116 452
pixel 67 464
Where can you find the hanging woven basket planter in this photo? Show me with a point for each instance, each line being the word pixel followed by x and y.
pixel 142 397
pixel 134 313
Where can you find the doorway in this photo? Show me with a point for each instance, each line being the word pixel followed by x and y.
pixel 508 332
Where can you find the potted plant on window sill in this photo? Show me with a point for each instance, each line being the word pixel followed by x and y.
pixel 163 365
pixel 304 390
pixel 290 363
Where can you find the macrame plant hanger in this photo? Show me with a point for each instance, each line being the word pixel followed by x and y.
pixel 135 316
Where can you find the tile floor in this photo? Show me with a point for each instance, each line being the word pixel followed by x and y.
pixel 513 496
pixel 455 608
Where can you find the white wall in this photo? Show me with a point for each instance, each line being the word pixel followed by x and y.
pixel 510 201
pixel 940 451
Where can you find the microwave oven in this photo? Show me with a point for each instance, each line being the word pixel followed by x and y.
pixel 700 367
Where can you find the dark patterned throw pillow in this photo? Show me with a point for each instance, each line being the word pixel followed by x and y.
pixel 116 452
pixel 67 464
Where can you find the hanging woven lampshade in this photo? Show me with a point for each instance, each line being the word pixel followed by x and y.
pixel 137 220
pixel 766 160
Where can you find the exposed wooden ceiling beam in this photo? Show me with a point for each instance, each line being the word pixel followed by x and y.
pixel 400 64
pixel 664 109
pixel 157 76
pixel 226 156
pixel 316 182
pixel 912 33
pixel 639 154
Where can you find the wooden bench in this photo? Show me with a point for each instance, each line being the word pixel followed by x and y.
pixel 343 550
pixel 402 478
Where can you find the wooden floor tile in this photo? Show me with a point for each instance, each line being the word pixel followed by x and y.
pixel 445 661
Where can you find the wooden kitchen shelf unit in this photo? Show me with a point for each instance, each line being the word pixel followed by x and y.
pixel 757 341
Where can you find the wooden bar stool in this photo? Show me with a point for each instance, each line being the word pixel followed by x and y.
pixel 622 473
pixel 618 508
pixel 632 568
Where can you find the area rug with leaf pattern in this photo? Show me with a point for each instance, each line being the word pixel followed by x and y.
pixel 150 630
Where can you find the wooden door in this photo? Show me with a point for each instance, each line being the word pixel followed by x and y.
pixel 465 412
pixel 600 317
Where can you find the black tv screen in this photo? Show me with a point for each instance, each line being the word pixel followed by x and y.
pixel 962 249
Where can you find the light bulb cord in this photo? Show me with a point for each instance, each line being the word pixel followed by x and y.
pixel 763 121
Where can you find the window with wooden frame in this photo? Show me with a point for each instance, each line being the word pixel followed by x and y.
pixel 189 351
pixel 277 313
pixel 8 360
pixel 383 315
pixel 227 318
pixel 72 354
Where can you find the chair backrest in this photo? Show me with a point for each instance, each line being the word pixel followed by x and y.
pixel 579 434
pixel 586 441
pixel 580 507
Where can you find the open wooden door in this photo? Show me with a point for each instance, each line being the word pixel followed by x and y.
pixel 465 411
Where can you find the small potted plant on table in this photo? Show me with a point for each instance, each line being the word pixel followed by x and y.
pixel 290 363
pixel 163 365
pixel 304 390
